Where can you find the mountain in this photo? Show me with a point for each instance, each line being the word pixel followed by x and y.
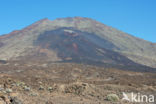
pixel 78 40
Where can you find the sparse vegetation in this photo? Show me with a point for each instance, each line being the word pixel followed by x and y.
pixel 50 84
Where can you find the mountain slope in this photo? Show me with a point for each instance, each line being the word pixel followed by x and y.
pixel 73 45
pixel 30 41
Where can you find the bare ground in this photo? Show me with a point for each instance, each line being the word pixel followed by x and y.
pixel 64 83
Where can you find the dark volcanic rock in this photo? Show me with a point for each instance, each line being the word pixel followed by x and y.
pixel 77 46
pixel 3 62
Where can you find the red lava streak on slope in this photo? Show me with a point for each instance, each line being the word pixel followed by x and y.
pixel 10 34
pixel 75 47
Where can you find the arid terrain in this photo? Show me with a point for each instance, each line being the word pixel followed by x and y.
pixel 75 61
pixel 67 83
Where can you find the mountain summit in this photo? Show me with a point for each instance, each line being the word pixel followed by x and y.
pixel 80 40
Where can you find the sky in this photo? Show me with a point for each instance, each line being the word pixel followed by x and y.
pixel 136 17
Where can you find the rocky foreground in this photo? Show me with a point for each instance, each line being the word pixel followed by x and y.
pixel 65 83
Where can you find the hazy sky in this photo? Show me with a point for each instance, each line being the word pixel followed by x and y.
pixel 136 17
